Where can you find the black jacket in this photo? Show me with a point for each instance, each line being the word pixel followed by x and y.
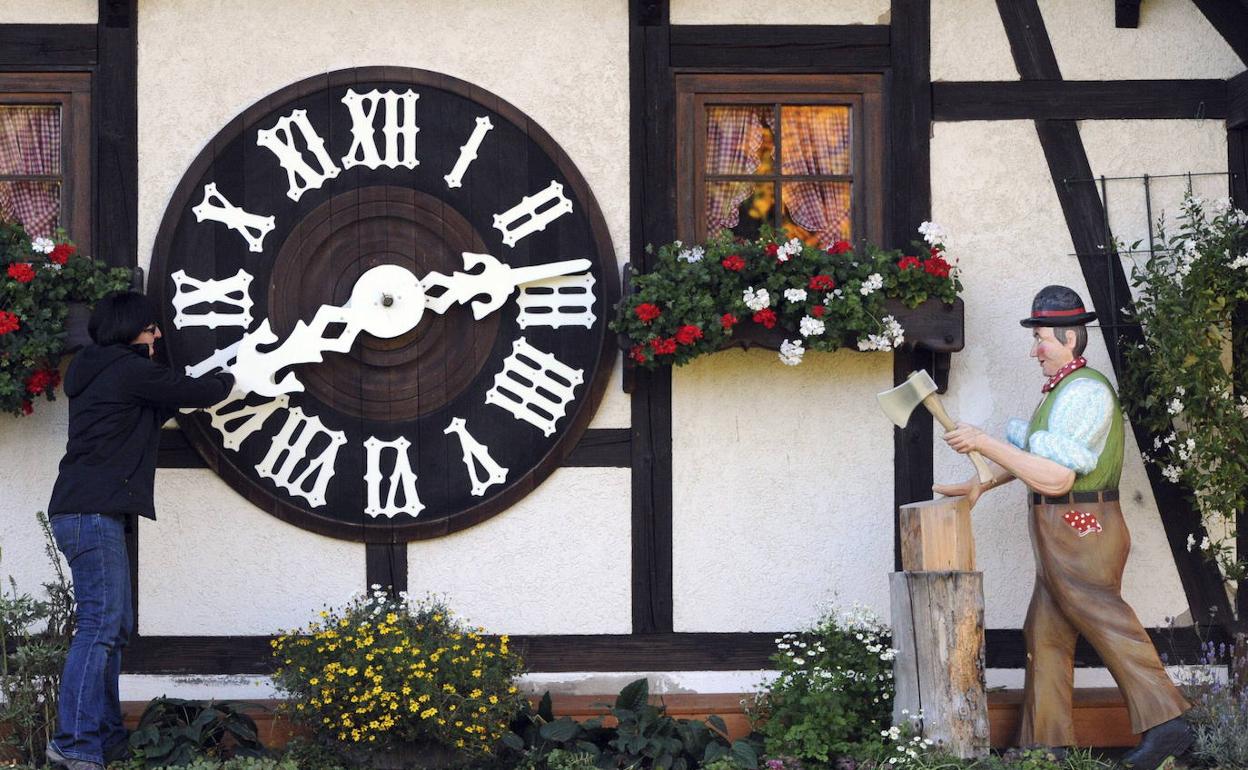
pixel 118 399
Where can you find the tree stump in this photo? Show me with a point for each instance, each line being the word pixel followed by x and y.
pixel 938 630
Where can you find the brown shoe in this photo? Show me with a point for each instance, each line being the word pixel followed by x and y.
pixel 1168 739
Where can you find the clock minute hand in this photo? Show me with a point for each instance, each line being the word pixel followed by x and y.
pixel 495 279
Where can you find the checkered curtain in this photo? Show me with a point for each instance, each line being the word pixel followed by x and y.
pixel 817 141
pixel 734 136
pixel 30 143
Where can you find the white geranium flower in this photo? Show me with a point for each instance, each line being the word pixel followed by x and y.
pixel 692 255
pixel 42 245
pixel 791 352
pixel 788 250
pixel 756 300
pixel 1191 542
pixel 810 325
pixel 874 283
pixel 795 295
pixel 1175 406
pixel 1172 473
pixel 932 233
pixel 1205 544
pixel 1240 261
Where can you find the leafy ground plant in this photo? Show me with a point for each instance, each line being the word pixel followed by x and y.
pixel 34 639
pixel 173 731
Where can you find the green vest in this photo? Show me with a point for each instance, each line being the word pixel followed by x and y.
pixel 1109 466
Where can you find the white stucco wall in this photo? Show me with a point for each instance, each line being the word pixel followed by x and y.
pixel 1174 40
pixel 49 11
pixel 969 42
pixel 782 489
pixel 993 193
pixel 791 12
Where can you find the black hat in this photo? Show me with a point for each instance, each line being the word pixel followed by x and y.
pixel 1057 306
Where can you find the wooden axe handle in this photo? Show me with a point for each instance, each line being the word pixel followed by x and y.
pixel 933 404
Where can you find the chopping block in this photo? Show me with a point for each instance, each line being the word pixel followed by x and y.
pixel 936 535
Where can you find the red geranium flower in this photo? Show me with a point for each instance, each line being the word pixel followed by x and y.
pixel 840 247
pixel 821 283
pixel 637 353
pixel 44 379
pixel 766 317
pixel 647 312
pixel 662 345
pixel 688 334
pixel 772 249
pixel 27 407
pixel 935 251
pixel 733 262
pixel 818 310
pixel 8 322
pixel 907 263
pixel 61 253
pixel 937 267
pixel 728 320
pixel 21 272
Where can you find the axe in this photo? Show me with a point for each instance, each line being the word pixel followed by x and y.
pixel 919 388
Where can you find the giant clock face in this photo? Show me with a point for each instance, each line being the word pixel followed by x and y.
pixel 412 281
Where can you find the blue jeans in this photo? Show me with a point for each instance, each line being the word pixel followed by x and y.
pixel 89 713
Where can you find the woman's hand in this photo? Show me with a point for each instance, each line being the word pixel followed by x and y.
pixel 965 438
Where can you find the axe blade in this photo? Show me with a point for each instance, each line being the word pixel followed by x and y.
pixel 899 402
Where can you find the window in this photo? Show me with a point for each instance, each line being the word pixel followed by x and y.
pixel 802 153
pixel 45 131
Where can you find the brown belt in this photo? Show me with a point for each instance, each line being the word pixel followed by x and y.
pixel 1104 496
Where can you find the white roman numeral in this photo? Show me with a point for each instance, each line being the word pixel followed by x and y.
pixel 233 291
pixel 567 300
pixel 237 423
pixel 252 227
pixel 293 443
pixel 468 152
pixel 400 123
pixel 220 359
pixel 300 174
pixel 532 213
pixel 402 479
pixel 485 472
pixel 534 386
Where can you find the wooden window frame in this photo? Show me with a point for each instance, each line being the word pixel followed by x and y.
pixel 864 94
pixel 71 91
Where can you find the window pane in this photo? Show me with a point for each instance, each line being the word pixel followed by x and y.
pixel 739 139
pixel 815 140
pixel 30 140
pixel 742 207
pixel 36 205
pixel 817 212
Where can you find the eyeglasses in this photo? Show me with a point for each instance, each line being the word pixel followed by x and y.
pixel 149 329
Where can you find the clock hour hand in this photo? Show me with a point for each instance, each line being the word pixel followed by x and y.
pixel 496 280
pixel 386 301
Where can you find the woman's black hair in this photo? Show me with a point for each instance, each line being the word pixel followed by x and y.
pixel 120 317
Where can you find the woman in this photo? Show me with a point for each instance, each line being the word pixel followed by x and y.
pixel 118 399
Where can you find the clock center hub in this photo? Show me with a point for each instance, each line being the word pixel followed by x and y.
pixel 387 301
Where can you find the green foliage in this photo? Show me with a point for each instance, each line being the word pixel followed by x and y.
pixel 1219 712
pixel 562 759
pixel 644 737
pixel 1179 385
pixel 30 353
pixel 899 757
pixel 173 731
pixel 834 692
pixel 34 640
pixel 838 293
pixel 381 671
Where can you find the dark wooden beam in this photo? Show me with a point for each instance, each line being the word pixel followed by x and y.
pixel 205 655
pixel 1230 19
pixel 385 565
pixel 114 102
pixel 652 173
pixel 1126 14
pixel 1029 40
pixel 760 48
pixel 40 46
pixel 909 204
pixel 1082 100
pixel 1237 101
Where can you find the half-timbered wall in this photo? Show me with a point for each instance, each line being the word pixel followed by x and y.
pixel 782 488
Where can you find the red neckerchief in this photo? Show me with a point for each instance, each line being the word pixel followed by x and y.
pixel 1062 373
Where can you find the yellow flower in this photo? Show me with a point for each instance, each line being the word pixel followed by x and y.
pixel 476 672
pixel 493 699
pixel 430 712
pixel 474 694
pixel 392 618
pixel 314 680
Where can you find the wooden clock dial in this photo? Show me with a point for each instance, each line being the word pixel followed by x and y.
pixel 387 221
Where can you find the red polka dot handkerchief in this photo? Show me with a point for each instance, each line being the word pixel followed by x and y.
pixel 1083 523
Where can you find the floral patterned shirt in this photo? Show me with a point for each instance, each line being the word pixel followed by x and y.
pixel 1078 427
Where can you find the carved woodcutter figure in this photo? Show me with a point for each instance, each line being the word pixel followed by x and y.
pixel 1069 454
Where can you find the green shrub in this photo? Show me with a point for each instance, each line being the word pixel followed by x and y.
pixel 834 693
pixel 173 731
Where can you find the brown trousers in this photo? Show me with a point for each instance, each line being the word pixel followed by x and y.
pixel 1079 593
